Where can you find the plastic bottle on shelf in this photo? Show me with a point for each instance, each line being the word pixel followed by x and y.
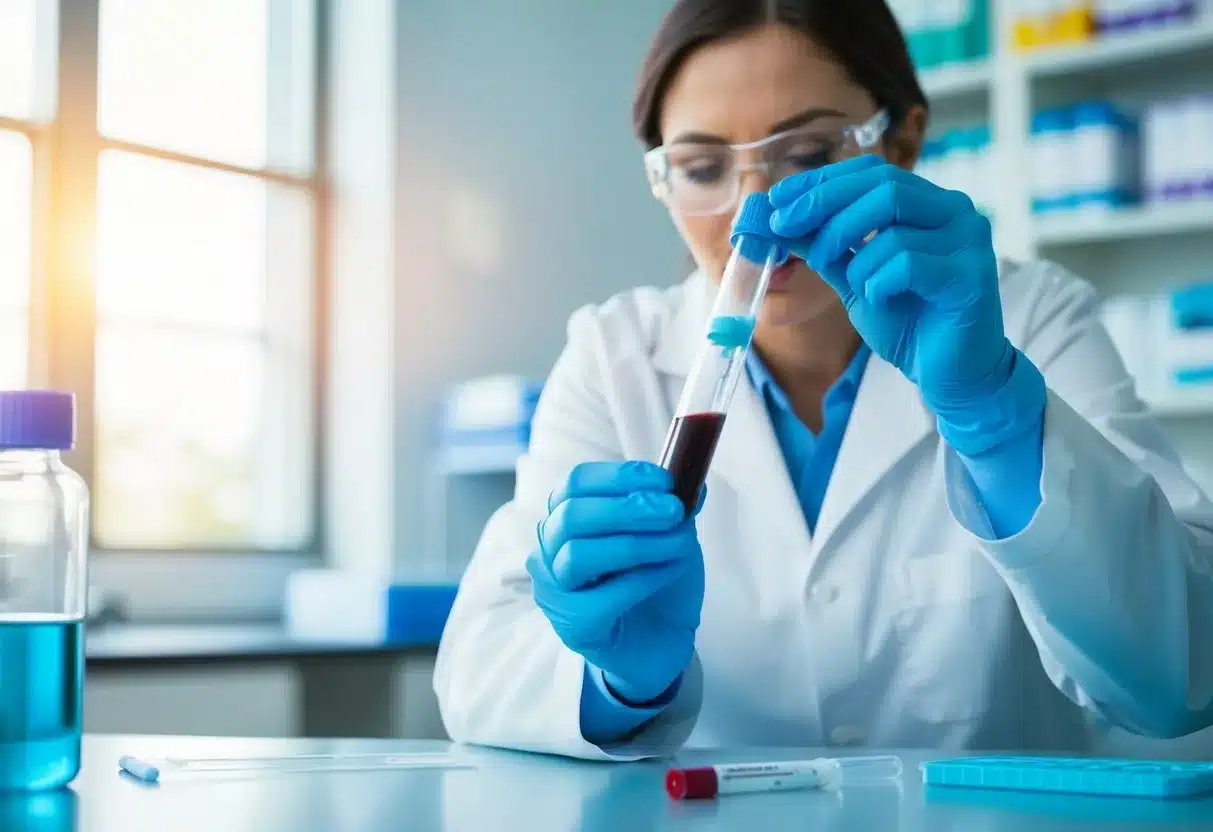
pixel 1052 184
pixel 1071 21
pixel 1114 16
pixel 1172 11
pixel 912 15
pixel 1168 165
pixel 1203 136
pixel 1030 28
pixel 977 31
pixel 947 20
pixel 1110 15
pixel 1153 161
pixel 1101 157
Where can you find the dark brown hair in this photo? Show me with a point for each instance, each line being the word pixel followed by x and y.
pixel 862 35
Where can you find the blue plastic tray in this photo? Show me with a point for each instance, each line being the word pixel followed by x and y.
pixel 1135 778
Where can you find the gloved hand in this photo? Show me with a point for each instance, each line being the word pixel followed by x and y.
pixel 619 574
pixel 922 292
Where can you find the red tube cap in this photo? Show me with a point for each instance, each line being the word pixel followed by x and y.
pixel 691 783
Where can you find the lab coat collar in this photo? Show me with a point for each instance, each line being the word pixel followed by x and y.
pixel 888 420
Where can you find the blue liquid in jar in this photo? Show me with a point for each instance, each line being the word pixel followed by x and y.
pixel 41 687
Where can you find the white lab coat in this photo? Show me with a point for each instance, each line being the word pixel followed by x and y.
pixel 896 624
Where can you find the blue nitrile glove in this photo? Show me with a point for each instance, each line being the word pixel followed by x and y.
pixel 619 574
pixel 922 292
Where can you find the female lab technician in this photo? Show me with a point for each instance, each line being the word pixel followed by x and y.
pixel 938 515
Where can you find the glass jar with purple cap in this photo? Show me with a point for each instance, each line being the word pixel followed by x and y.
pixel 43 587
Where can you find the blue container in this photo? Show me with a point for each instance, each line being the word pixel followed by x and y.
pixel 41 679
pixel 43 540
pixel 417 613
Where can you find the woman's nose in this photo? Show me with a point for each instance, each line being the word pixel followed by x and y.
pixel 754 178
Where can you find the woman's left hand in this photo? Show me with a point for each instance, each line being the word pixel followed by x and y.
pixel 914 265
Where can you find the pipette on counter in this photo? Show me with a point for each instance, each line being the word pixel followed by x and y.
pixel 152 770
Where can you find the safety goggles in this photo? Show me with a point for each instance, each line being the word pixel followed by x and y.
pixel 704 178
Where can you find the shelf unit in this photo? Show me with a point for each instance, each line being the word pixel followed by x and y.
pixel 961 80
pixel 1150 221
pixel 1124 51
pixel 1010 85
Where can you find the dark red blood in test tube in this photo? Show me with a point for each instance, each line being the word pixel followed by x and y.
pixel 688 453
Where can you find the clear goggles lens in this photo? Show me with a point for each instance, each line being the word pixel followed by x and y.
pixel 697 178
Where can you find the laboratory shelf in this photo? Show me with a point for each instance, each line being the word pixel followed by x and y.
pixel 1125 224
pixel 957 80
pixel 479 459
pixel 1120 52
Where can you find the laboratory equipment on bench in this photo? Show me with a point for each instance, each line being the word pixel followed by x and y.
pixel 1074 775
pixel 827 773
pixel 43 590
pixel 692 437
pixel 152 770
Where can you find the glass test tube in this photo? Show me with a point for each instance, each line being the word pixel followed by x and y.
pixel 720 361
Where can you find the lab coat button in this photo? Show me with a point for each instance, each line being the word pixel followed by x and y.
pixel 846 735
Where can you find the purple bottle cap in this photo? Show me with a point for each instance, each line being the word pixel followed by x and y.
pixel 42 420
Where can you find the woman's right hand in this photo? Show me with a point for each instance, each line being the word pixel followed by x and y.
pixel 619 574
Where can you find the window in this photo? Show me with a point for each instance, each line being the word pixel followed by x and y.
pixel 16 202
pixel 159 236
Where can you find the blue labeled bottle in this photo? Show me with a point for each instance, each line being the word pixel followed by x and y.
pixel 43 588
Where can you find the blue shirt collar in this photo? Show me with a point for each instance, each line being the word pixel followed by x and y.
pixel 844 389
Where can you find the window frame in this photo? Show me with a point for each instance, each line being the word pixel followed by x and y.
pixel 63 317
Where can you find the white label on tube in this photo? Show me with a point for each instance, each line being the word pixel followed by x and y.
pixel 768 777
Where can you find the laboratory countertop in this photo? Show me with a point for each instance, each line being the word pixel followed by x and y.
pixel 507 791
pixel 125 644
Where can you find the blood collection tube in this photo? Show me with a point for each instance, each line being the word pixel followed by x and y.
pixel 720 361
pixel 821 773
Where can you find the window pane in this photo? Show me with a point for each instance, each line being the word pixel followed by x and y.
pixel 12 350
pixel 16 201
pixel 230 80
pixel 205 388
pixel 180 424
pixel 181 244
pixel 21 24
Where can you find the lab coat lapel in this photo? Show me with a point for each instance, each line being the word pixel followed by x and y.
pixel 748 457
pixel 750 461
pixel 887 421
